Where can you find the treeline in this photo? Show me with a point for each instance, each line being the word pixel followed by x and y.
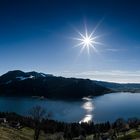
pixel 71 130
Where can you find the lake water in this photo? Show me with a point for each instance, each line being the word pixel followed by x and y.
pixel 99 109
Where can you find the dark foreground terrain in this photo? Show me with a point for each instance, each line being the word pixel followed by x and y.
pixel 16 127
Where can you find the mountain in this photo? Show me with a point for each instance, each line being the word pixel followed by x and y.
pixel 19 83
pixel 117 87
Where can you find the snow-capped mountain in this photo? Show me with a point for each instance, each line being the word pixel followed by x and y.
pixel 19 83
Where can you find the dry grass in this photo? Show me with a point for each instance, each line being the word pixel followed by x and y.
pixel 22 134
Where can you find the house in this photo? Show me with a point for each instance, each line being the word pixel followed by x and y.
pixel 3 120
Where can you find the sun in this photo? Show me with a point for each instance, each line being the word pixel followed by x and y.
pixel 87 41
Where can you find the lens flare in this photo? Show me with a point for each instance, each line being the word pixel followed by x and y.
pixel 87 41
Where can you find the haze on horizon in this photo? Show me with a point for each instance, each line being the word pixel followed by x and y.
pixel 36 36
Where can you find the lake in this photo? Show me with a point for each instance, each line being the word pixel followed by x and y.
pixel 108 107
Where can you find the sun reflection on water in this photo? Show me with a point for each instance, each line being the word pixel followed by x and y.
pixel 88 107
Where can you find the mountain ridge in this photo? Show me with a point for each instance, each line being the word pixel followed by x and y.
pixel 19 83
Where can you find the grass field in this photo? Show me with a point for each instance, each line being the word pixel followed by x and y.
pixel 27 134
pixel 132 136
pixel 22 134
pixel 135 135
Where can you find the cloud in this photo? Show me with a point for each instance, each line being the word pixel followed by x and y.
pixel 114 50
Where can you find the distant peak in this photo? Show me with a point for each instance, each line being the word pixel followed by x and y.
pixel 19 73
pixel 15 71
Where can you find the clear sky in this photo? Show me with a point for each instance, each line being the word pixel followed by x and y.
pixel 36 35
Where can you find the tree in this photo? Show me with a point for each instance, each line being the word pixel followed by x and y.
pixel 37 113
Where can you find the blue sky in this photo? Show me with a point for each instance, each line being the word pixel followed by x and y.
pixel 37 36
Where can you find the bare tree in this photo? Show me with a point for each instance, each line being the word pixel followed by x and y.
pixel 37 113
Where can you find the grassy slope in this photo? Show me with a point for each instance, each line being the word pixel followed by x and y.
pixel 27 134
pixel 135 135
pixel 22 134
pixel 131 136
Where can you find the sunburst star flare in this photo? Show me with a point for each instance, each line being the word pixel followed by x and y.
pixel 87 41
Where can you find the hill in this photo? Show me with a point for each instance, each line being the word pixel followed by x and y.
pixel 19 83
pixel 117 87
